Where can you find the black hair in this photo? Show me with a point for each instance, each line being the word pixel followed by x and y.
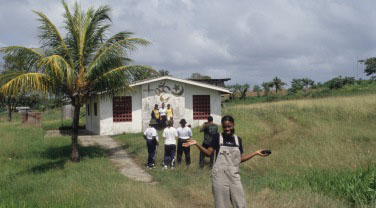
pixel 210 118
pixel 183 121
pixel 227 118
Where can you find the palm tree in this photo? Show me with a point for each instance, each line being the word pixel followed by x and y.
pixel 267 86
pixel 278 84
pixel 163 72
pixel 82 63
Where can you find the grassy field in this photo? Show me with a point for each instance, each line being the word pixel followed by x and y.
pixel 37 172
pixel 323 156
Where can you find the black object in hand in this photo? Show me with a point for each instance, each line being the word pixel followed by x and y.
pixel 266 152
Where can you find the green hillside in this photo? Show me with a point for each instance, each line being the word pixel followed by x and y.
pixel 323 156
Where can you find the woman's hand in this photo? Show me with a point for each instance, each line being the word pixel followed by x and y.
pixel 189 143
pixel 258 152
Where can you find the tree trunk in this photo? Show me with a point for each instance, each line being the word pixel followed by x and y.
pixel 9 113
pixel 76 119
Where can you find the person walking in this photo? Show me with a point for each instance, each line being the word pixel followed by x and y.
pixel 210 130
pixel 170 134
pixel 184 133
pixel 226 184
pixel 151 137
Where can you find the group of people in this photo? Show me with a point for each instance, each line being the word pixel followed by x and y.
pixel 226 184
pixel 171 147
pixel 160 116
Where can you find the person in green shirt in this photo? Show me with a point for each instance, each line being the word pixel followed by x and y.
pixel 210 130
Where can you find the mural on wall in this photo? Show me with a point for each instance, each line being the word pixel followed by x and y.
pixel 164 91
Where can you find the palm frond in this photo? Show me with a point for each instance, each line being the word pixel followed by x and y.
pixel 9 75
pixel 30 56
pixel 94 30
pixel 28 82
pixel 51 38
pixel 116 79
pixel 56 66
pixel 114 49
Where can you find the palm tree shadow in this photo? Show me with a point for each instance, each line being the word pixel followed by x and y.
pixel 62 154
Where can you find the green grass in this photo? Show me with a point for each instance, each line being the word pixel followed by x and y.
pixel 322 92
pixel 323 156
pixel 37 172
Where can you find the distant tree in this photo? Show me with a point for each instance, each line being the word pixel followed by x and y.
pixel 370 64
pixel 243 89
pixel 307 83
pixel 143 73
pixel 339 82
pixel 233 90
pixel 267 86
pixel 257 89
pixel 278 84
pixel 13 66
pixel 296 85
pixel 199 76
pixel 163 72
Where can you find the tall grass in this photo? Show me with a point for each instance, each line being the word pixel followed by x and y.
pixel 323 156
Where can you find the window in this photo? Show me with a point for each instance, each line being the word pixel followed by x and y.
pixel 122 109
pixel 88 109
pixel 95 109
pixel 201 107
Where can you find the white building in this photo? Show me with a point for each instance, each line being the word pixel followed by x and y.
pixel 131 112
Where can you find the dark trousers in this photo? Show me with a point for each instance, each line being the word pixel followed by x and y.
pixel 186 150
pixel 152 150
pixel 202 157
pixel 163 122
pixel 169 154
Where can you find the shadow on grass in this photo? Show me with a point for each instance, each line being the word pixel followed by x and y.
pixel 62 154
pixel 134 150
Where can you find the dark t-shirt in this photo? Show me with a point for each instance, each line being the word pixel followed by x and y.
pixel 227 141
pixel 210 131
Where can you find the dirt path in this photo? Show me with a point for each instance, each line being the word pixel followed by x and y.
pixel 117 155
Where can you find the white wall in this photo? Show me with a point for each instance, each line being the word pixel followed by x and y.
pixel 150 98
pixel 108 127
pixel 182 105
pixel 143 100
pixel 215 104
pixel 92 121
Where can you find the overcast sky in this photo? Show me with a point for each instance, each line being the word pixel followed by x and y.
pixel 249 41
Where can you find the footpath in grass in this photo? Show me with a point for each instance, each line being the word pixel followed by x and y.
pixel 37 172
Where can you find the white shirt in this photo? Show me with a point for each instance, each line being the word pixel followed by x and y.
pixel 170 135
pixel 184 133
pixel 162 111
pixel 150 133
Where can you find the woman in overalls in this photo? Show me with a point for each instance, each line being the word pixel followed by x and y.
pixel 227 187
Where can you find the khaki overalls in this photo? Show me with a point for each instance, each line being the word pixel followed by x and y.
pixel 227 187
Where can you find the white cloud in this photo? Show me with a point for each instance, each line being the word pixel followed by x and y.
pixel 249 41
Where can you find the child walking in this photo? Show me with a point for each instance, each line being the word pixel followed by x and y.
pixel 151 137
pixel 226 185
pixel 184 133
pixel 170 135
